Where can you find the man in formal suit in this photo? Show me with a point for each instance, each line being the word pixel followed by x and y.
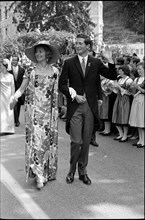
pixel 79 85
pixel 18 73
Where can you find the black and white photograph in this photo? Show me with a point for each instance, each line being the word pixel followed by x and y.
pixel 72 97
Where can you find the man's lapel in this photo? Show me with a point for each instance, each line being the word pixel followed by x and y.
pixel 88 65
pixel 78 65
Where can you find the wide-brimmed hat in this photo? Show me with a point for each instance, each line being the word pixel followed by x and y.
pixel 30 51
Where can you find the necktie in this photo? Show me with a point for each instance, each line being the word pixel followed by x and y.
pixel 15 73
pixel 83 65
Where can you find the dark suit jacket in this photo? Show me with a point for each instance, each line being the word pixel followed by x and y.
pixel 72 76
pixel 18 82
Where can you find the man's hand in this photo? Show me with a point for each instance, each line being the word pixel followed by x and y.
pixel 100 102
pixel 108 55
pixel 80 99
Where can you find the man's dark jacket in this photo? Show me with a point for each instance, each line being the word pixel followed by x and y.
pixel 72 76
pixel 18 82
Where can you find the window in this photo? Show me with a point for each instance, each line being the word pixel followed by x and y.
pixel 137 51
pixel 0 14
pixel 141 51
pixel 6 13
pixel 6 31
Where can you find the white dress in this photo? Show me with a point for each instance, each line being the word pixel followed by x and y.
pixel 137 112
pixel 6 90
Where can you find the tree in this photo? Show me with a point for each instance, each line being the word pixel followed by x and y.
pixel 126 22
pixel 24 40
pixel 133 15
pixel 71 16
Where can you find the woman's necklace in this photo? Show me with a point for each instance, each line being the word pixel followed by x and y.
pixel 42 69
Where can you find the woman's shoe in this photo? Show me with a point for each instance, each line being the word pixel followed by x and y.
pixel 135 144
pixel 134 137
pixel 117 138
pixel 123 140
pixel 107 134
pixel 40 182
pixel 140 146
pixel 40 185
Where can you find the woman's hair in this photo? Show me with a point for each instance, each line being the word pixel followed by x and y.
pixel 5 63
pixel 141 64
pixel 125 69
pixel 47 51
pixel 134 72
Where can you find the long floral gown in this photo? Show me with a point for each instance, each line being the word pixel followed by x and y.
pixel 41 124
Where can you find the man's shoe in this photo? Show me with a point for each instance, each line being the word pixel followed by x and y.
pixel 17 124
pixel 86 180
pixel 70 178
pixel 94 143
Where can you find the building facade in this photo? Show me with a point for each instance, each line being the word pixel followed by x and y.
pixel 7 28
pixel 96 14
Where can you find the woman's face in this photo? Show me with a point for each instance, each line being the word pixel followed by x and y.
pixel 140 70
pixel 2 66
pixel 40 54
pixel 120 71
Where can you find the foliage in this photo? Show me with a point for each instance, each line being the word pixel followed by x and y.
pixel 56 38
pixel 133 15
pixel 122 22
pixel 71 16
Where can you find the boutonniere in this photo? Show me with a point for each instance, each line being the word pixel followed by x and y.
pixel 55 76
pixel 89 64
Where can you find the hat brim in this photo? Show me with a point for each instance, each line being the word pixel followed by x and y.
pixel 30 52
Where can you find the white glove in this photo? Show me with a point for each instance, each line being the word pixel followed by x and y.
pixel 72 92
pixel 17 95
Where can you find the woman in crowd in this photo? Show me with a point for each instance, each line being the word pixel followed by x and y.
pixel 105 110
pixel 133 131
pixel 41 113
pixel 7 89
pixel 137 109
pixel 121 108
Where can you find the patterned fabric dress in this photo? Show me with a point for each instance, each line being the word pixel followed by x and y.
pixel 41 124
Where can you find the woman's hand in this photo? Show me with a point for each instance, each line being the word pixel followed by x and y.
pixel 12 102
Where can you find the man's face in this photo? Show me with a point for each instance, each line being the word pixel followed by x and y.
pixel 14 61
pixel 81 47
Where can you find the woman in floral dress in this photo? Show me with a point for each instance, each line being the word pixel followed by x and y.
pixel 41 113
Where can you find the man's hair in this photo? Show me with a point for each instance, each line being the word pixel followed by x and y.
pixel 86 38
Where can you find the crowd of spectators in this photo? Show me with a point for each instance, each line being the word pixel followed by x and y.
pixel 118 96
